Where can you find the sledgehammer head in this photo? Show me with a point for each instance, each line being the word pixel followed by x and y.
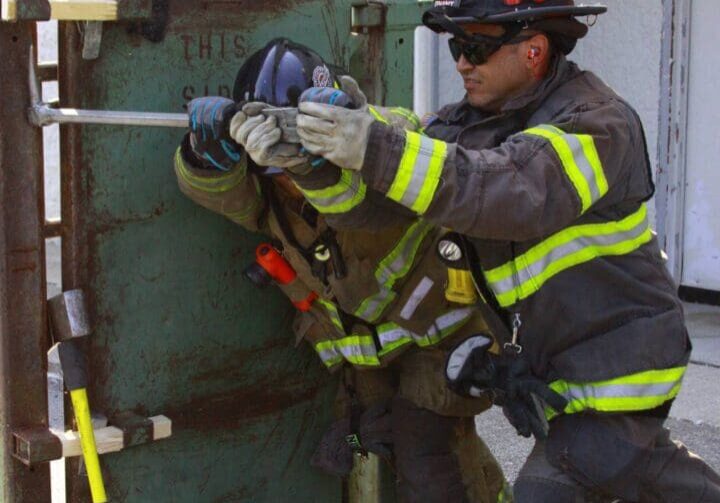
pixel 69 316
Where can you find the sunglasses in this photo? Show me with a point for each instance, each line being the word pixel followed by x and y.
pixel 477 52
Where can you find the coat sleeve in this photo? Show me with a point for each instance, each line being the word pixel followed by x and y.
pixel 536 182
pixel 344 198
pixel 233 194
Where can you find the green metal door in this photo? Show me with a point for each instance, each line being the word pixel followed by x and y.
pixel 179 331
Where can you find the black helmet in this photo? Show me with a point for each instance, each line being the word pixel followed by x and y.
pixel 556 17
pixel 278 73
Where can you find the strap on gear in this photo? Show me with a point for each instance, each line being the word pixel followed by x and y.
pixel 488 304
pixel 353 439
pixel 314 255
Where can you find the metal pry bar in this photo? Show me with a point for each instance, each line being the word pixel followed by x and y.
pixel 42 114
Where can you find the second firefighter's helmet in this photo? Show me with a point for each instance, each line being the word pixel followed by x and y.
pixel 278 74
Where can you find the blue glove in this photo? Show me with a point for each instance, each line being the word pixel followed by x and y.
pixel 210 139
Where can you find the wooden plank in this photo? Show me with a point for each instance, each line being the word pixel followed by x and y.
pixel 69 10
pixel 85 10
pixel 108 439
pixel 162 427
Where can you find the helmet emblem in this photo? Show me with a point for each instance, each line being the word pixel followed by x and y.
pixel 321 77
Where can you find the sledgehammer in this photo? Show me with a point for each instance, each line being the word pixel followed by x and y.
pixel 70 323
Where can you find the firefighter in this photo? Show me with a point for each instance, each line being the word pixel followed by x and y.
pixel 369 293
pixel 543 172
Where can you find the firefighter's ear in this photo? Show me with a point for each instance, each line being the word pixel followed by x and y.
pixel 536 51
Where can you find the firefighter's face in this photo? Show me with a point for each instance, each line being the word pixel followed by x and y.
pixel 504 75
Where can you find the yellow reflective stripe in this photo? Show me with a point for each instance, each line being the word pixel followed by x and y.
pixel 405 169
pixel 538 251
pixel 432 179
pixel 392 336
pixel 565 249
pixel 591 153
pixel 640 391
pixel 418 173
pixel 444 326
pixel 377 115
pixel 333 313
pixel 346 194
pixel 243 214
pixel 351 349
pixel 409 115
pixel 397 263
pixel 394 266
pixel 505 494
pixel 213 184
pixel 580 162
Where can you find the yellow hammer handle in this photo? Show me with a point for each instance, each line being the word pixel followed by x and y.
pixel 87 442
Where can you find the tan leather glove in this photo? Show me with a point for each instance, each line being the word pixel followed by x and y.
pixel 260 137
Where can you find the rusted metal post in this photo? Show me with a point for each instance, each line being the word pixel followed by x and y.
pixel 23 321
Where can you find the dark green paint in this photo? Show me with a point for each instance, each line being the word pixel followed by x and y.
pixel 178 329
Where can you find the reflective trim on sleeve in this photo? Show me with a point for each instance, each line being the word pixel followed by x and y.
pixel 580 161
pixel 377 115
pixel 221 183
pixel 394 266
pixel 406 114
pixel 333 314
pixel 346 194
pixel 527 273
pixel 419 171
pixel 641 391
pixel 356 349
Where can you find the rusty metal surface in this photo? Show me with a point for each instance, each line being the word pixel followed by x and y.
pixel 35 10
pixel 36 445
pixel 23 325
pixel 179 332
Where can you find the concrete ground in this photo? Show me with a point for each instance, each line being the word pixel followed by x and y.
pixel 694 418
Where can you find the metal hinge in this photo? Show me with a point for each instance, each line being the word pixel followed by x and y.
pixel 366 16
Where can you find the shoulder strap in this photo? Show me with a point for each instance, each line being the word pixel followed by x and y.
pixel 495 316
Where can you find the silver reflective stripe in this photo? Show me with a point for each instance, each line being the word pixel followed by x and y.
pixel 443 326
pixel 420 170
pixel 372 307
pixel 402 255
pixel 529 272
pixel 329 354
pixel 580 160
pixel 357 351
pixel 343 196
pixel 394 334
pixel 576 392
pixel 459 356
pixel 393 267
pixel 416 297
pixel 584 166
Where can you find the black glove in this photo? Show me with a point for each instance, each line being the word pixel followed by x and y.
pixel 518 392
pixel 210 139
pixel 335 452
pixel 472 370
